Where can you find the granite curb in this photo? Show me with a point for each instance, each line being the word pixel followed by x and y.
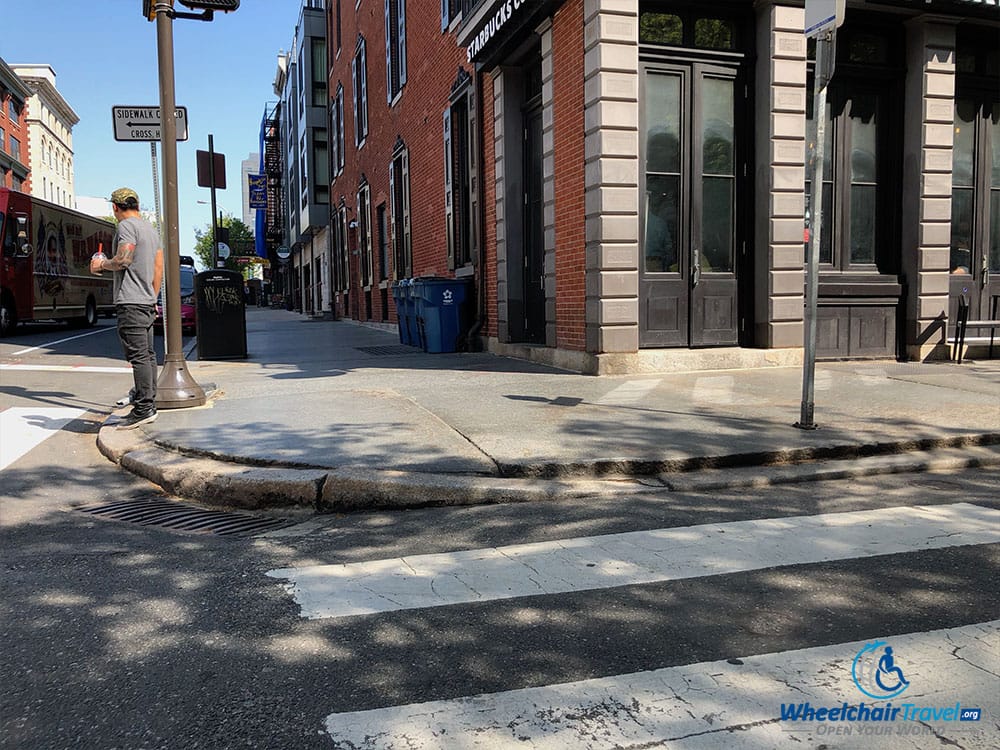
pixel 230 483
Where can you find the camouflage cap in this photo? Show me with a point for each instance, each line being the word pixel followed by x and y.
pixel 122 196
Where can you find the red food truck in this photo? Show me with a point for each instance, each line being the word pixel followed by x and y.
pixel 45 265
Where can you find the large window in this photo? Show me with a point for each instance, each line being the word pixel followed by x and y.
pixel 975 195
pixel 359 69
pixel 860 155
pixel 850 180
pixel 321 165
pixel 460 165
pixel 365 232
pixel 395 47
pixel 337 128
pixel 319 72
pixel 399 187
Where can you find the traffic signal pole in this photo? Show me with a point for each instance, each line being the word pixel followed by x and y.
pixel 175 388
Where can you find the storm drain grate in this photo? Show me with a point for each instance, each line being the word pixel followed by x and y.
pixel 388 351
pixel 167 514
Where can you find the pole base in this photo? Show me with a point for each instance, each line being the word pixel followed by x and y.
pixel 175 388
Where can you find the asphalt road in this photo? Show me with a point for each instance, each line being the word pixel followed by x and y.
pixel 115 635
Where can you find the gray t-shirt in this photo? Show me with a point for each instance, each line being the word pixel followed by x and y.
pixel 134 285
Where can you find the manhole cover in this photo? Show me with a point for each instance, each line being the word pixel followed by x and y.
pixel 168 514
pixel 387 351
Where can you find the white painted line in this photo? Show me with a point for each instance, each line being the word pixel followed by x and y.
pixel 710 705
pixel 24 427
pixel 599 562
pixel 62 341
pixel 631 392
pixel 64 368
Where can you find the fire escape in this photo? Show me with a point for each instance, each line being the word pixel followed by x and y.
pixel 274 226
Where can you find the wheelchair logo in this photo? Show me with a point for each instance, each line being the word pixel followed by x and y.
pixel 876 673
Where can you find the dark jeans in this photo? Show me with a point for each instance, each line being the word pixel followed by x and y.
pixel 135 329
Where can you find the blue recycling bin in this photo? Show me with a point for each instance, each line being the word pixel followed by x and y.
pixel 439 309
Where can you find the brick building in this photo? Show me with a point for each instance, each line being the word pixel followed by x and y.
pixel 398 86
pixel 15 170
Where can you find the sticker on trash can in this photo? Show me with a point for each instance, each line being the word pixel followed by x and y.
pixel 446 297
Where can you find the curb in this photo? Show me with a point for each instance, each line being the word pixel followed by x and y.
pixel 228 483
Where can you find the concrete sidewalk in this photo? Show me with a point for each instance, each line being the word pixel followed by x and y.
pixel 338 416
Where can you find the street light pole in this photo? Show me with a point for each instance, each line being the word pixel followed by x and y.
pixel 175 388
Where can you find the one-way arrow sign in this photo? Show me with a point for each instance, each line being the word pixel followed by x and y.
pixel 143 123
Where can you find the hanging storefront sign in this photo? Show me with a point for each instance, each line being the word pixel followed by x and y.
pixel 257 184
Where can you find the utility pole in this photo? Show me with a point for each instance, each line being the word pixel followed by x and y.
pixel 175 387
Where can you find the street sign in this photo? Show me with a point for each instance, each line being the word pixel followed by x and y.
pixel 224 250
pixel 823 16
pixel 283 252
pixel 143 123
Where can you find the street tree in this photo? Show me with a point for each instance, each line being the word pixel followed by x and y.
pixel 241 242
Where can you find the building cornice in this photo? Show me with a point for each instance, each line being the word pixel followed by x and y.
pixel 12 81
pixel 53 99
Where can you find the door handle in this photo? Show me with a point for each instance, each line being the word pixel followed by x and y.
pixel 695 267
pixel 986 272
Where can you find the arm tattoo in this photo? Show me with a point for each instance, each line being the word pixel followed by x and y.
pixel 123 258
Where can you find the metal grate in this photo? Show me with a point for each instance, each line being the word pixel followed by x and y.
pixel 388 351
pixel 168 514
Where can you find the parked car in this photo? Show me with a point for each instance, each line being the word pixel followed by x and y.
pixel 187 303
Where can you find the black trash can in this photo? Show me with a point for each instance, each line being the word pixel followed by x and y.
pixel 221 319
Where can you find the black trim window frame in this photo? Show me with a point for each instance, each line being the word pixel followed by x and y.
pixel 359 75
pixel 455 10
pixel 342 252
pixel 399 189
pixel 364 219
pixel 461 200
pixel 338 144
pixel 395 48
pixel 382 225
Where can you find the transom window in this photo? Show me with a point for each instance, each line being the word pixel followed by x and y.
pixel 686 29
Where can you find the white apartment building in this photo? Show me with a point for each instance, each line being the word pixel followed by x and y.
pixel 249 166
pixel 50 133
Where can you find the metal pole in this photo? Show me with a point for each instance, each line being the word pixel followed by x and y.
pixel 211 179
pixel 159 221
pixel 824 58
pixel 175 386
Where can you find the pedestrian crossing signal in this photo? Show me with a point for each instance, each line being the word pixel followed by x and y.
pixel 224 5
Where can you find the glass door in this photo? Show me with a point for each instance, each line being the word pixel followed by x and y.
pixel 975 206
pixel 688 282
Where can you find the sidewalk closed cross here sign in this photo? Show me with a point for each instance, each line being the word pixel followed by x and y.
pixel 139 123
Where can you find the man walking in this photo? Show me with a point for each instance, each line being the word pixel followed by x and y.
pixel 138 271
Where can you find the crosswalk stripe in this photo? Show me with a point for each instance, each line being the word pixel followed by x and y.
pixel 729 704
pixel 630 392
pixel 64 368
pixel 599 562
pixel 24 427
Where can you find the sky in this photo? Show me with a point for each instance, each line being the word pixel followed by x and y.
pixel 224 71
